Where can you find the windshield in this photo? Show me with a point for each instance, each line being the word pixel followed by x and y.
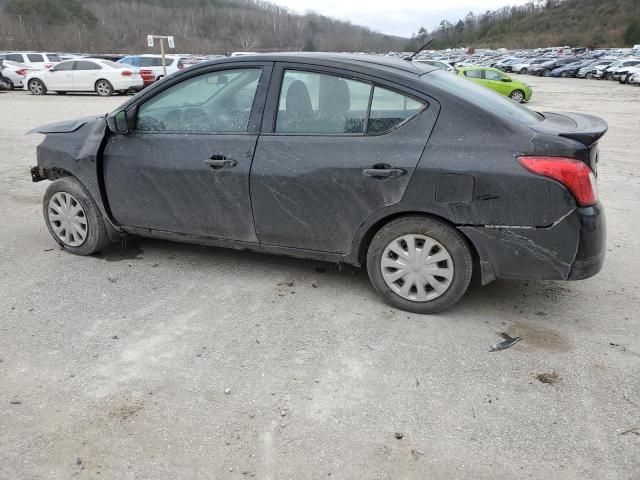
pixel 482 97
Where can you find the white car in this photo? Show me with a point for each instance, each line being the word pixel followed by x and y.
pixel 85 75
pixel 15 73
pixel 32 59
pixel 635 78
pixel 173 63
pixel 438 64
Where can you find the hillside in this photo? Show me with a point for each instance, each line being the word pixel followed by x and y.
pixel 587 23
pixel 199 26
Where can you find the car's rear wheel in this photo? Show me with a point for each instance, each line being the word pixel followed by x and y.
pixel 37 87
pixel 73 218
pixel 104 88
pixel 589 76
pixel 623 79
pixel 523 71
pixel 419 264
pixel 517 96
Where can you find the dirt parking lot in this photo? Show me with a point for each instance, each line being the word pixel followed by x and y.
pixel 156 360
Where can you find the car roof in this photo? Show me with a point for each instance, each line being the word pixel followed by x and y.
pixel 341 59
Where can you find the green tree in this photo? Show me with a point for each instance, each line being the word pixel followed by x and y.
pixel 631 34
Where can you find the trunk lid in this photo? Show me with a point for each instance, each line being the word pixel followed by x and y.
pixel 582 128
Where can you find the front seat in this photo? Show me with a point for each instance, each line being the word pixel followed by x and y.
pixel 297 116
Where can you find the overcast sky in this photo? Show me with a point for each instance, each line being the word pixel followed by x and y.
pixel 402 17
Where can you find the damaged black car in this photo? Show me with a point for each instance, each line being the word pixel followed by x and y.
pixel 419 175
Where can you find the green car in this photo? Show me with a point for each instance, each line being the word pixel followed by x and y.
pixel 498 81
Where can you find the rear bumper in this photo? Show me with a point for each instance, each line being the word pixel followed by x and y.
pixel 573 248
pixel 592 243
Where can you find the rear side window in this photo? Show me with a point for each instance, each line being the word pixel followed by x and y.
pixel 35 57
pixel 473 73
pixel 389 109
pixel 53 57
pixel 14 57
pixel 84 65
pixel 318 103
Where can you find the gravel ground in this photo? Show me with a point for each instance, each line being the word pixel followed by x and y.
pixel 159 361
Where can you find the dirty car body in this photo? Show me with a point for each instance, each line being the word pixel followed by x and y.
pixel 274 173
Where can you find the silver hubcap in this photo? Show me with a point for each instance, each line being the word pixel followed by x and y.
pixel 103 88
pixel 417 267
pixel 36 88
pixel 67 219
pixel 517 96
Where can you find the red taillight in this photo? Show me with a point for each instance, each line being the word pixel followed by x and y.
pixel 572 173
pixel 126 73
pixel 21 71
pixel 48 65
pixel 180 66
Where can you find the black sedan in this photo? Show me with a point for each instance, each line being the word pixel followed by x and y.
pixel 420 175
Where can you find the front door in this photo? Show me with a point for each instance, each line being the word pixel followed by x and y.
pixel 497 81
pixel 185 167
pixel 60 77
pixel 334 150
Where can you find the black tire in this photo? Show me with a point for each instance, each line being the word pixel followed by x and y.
pixel 104 88
pixel 454 243
pixel 9 83
pixel 517 96
pixel 523 71
pixel 61 93
pixel 546 72
pixel 37 87
pixel 96 237
pixel 589 76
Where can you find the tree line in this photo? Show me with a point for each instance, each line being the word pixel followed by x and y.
pixel 199 26
pixel 541 23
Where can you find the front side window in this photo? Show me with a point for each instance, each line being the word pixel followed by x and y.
pixel 316 103
pixel 35 57
pixel 491 75
pixel 389 109
pixel 217 102
pixel 473 73
pixel 14 57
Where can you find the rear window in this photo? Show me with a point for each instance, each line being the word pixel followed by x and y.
pixel 483 97
pixel 111 64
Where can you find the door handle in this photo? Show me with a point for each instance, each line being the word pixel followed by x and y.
pixel 383 172
pixel 220 161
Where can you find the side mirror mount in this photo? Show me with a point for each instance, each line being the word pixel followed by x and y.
pixel 118 122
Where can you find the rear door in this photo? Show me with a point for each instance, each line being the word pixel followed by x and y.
pixel 185 167
pixel 85 75
pixel 335 148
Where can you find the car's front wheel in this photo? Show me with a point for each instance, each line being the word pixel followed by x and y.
pixel 546 73
pixel 73 218
pixel 419 264
pixel 37 87
pixel 517 96
pixel 104 88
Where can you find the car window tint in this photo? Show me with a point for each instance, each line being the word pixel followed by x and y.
pixel 317 103
pixel 473 73
pixel 389 109
pixel 64 66
pixel 16 57
pixel 491 75
pixel 54 57
pixel 35 57
pixel 215 102
pixel 84 65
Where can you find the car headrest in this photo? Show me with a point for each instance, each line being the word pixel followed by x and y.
pixel 298 100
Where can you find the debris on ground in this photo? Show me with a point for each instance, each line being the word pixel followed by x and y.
pixel 635 431
pixel 398 435
pixel 548 377
pixel 509 341
pixel 227 391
